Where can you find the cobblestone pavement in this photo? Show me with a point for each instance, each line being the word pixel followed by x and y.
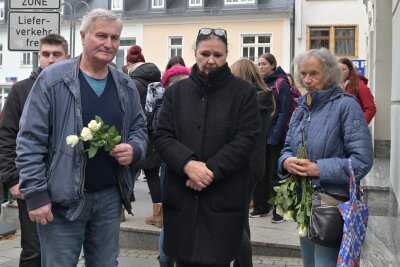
pixel 10 250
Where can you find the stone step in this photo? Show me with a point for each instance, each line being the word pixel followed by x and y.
pixel 267 239
pixel 378 247
pixel 376 187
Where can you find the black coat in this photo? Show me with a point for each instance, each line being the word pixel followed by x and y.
pixel 142 76
pixel 9 128
pixel 215 121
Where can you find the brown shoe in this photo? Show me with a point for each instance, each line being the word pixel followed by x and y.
pixel 157 218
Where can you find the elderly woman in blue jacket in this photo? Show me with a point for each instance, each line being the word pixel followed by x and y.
pixel 333 125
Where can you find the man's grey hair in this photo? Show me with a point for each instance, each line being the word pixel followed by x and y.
pixel 98 13
pixel 328 61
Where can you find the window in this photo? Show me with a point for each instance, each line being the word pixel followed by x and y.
pixel 1 55
pixel 157 3
pixel 230 2
pixel 116 4
pixel 26 59
pixel 2 11
pixel 340 40
pixel 253 46
pixel 175 46
pixel 124 45
pixel 195 2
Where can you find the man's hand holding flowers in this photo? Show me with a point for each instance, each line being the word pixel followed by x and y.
pixel 123 153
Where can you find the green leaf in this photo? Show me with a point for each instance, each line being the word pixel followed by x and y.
pixel 92 151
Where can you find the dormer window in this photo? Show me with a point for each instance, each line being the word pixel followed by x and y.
pixel 116 4
pixel 234 2
pixel 157 3
pixel 193 3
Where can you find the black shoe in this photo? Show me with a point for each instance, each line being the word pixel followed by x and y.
pixel 276 218
pixel 258 214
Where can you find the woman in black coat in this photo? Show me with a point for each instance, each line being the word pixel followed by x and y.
pixel 206 134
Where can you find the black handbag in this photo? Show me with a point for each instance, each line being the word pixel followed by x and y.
pixel 326 222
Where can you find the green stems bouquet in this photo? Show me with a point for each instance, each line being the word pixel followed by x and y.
pixel 98 135
pixel 287 201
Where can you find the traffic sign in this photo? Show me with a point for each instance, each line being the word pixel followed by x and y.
pixel 25 29
pixel 34 4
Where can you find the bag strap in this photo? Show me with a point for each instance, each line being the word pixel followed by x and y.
pixel 353 186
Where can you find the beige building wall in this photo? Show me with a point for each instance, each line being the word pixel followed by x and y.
pixel 155 37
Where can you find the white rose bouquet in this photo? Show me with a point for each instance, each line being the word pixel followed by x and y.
pixel 98 135
pixel 287 202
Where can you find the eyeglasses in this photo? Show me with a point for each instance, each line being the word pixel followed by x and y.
pixel 208 31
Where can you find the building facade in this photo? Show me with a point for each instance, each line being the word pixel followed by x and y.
pixel 164 28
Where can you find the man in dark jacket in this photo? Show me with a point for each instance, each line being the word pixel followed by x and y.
pixel 52 48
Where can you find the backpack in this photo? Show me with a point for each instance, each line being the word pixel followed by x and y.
pixel 294 90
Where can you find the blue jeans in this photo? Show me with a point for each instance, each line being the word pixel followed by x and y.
pixel 163 256
pixel 97 228
pixel 317 256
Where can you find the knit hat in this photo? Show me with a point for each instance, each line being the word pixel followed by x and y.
pixel 177 70
pixel 135 55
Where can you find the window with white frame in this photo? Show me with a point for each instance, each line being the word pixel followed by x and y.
pixel 2 11
pixel 116 4
pixel 175 46
pixel 4 90
pixel 230 2
pixel 26 59
pixel 124 45
pixel 157 3
pixel 195 2
pixel 254 45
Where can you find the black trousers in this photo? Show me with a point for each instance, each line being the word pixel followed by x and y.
pixel 153 182
pixel 30 254
pixel 188 264
pixel 263 188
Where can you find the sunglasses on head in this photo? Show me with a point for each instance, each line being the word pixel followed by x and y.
pixel 208 31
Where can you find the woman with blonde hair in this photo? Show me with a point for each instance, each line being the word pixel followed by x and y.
pixel 246 70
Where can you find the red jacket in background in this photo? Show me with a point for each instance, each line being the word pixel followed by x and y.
pixel 365 98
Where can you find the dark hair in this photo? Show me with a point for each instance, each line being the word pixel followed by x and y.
pixel 135 55
pixel 54 39
pixel 211 36
pixel 291 79
pixel 353 75
pixel 271 59
pixel 175 60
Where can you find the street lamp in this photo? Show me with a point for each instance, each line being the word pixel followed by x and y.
pixel 72 24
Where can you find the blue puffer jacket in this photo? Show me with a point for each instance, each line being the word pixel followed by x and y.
pixel 335 130
pixel 51 170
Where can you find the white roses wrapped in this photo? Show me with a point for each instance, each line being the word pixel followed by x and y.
pixel 97 136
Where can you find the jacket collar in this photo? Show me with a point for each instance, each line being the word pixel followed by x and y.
pixel 215 79
pixel 320 98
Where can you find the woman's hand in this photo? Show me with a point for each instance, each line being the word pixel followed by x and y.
pixel 199 175
pixel 301 167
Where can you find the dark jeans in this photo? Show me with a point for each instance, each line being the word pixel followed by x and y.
pixel 263 188
pixel 153 182
pixel 30 254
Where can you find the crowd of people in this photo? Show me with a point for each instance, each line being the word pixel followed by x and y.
pixel 212 140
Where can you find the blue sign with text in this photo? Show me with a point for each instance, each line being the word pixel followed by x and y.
pixel 360 66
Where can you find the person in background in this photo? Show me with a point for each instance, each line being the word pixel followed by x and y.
pixel 206 133
pixel 175 61
pixel 52 49
pixel 145 75
pixel 245 69
pixel 263 190
pixel 76 200
pixel 334 130
pixel 357 85
pixel 154 102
